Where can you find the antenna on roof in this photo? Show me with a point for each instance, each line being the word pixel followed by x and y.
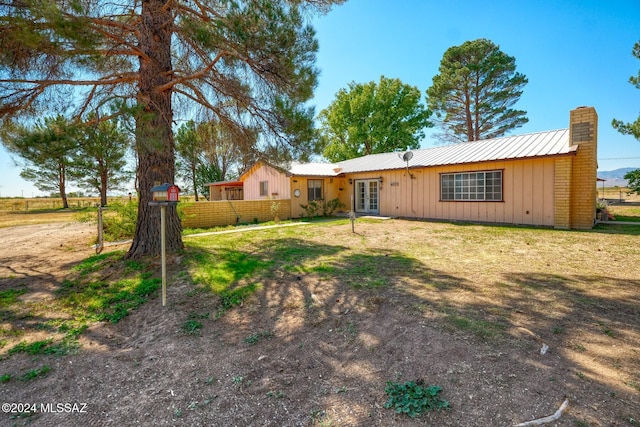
pixel 406 157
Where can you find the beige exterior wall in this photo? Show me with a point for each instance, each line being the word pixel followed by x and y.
pixel 333 188
pixel 229 212
pixel 278 183
pixel 528 193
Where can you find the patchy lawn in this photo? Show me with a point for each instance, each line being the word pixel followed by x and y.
pixel 310 324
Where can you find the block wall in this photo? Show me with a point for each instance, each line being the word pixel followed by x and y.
pixel 562 193
pixel 230 212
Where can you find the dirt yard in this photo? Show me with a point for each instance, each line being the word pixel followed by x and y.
pixel 323 351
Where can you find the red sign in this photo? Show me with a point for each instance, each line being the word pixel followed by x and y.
pixel 172 193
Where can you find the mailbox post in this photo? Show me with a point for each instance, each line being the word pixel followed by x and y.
pixel 163 196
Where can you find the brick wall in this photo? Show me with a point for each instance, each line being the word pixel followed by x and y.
pixel 562 193
pixel 229 212
pixel 583 131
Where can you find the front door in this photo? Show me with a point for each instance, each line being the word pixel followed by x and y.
pixel 367 196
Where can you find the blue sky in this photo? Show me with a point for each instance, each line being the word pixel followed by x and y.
pixel 574 53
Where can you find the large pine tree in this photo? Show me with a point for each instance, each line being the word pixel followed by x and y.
pixel 473 95
pixel 249 62
pixel 631 128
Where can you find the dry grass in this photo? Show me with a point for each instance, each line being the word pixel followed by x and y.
pixel 15 218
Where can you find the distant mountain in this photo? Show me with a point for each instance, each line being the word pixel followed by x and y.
pixel 615 177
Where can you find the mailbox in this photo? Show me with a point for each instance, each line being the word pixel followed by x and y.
pixel 165 193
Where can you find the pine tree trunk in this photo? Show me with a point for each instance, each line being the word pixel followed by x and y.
pixel 154 135
pixel 103 186
pixel 194 182
pixel 62 176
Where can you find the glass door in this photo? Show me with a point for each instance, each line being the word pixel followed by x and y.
pixel 367 196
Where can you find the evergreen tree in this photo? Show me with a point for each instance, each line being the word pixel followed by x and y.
pixel 473 95
pixel 248 62
pixel 45 153
pixel 100 161
pixel 634 127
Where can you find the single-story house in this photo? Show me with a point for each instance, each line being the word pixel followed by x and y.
pixel 543 178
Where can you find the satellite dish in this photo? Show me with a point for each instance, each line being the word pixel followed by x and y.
pixel 407 156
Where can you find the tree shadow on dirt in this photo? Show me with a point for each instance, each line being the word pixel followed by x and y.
pixel 324 327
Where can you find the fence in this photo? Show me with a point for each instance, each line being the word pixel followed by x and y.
pixel 46 203
pixel 229 212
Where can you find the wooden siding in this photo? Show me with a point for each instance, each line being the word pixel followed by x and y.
pixel 333 188
pixel 528 193
pixel 229 212
pixel 278 183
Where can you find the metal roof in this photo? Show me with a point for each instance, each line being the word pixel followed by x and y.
pixel 315 169
pixel 540 144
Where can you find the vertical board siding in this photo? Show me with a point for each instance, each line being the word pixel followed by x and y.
pixel 279 183
pixel 528 193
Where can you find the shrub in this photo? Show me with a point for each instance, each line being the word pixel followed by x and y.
pixel 312 209
pixel 413 399
pixel 331 206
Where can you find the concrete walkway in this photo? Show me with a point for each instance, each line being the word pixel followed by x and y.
pixel 618 222
pixel 251 228
pixel 235 230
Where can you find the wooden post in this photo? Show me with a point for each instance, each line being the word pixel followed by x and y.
pixel 163 215
pixel 352 216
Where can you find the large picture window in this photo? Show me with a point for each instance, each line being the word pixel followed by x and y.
pixel 484 186
pixel 315 189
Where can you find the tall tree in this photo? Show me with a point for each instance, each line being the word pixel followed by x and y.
pixel 100 161
pixel 373 118
pixel 475 91
pixel 189 149
pixel 632 128
pixel 634 181
pixel 228 149
pixel 249 62
pixel 44 152
pixel 206 173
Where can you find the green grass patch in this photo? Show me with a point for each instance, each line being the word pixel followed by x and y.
pixel 481 328
pixel 5 378
pixel 98 262
pixel 35 373
pixel 109 301
pixel 217 271
pixel 192 327
pixel 10 296
pixel 232 297
pixel 34 348
pixel 257 337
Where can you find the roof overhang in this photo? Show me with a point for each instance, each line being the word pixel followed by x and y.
pixel 226 184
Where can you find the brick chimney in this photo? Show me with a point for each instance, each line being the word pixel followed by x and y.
pixel 583 133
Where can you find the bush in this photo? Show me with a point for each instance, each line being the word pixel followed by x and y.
pixel 119 222
pixel 312 209
pixel 331 206
pixel 413 399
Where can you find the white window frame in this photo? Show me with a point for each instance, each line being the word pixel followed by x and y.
pixel 477 186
